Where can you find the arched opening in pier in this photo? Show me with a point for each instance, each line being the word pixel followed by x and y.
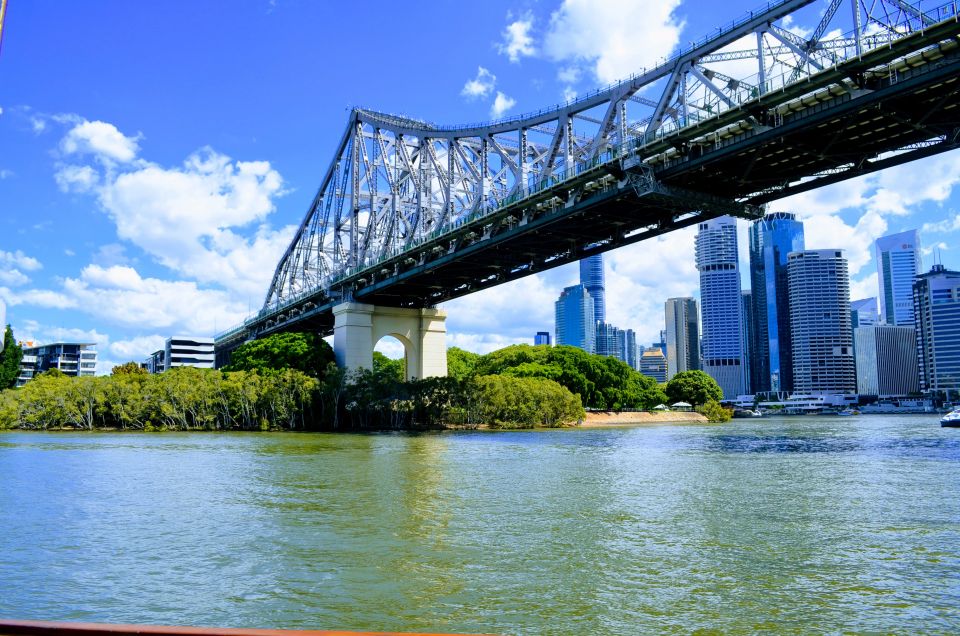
pixel 392 354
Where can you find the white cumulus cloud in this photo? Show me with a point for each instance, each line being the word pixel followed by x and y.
pixel 615 37
pixel 204 219
pixel 501 104
pixel 517 41
pixel 481 85
pixel 72 178
pixel 137 348
pixel 100 138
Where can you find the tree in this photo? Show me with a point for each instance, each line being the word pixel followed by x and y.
pixel 306 352
pixel 10 359
pixel 695 387
pixel 395 369
pixel 128 368
pixel 461 363
pixel 510 402
pixel 602 382
pixel 714 412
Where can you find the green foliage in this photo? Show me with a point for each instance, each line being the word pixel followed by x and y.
pixel 184 398
pixel 9 360
pixel 395 369
pixel 460 363
pixel 128 368
pixel 510 402
pixel 602 382
pixel 305 352
pixel 714 412
pixel 695 387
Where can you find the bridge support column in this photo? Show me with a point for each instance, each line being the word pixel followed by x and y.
pixel 358 327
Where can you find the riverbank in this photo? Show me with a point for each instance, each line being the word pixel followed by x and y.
pixel 596 419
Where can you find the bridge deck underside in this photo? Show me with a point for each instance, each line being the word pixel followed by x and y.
pixel 837 140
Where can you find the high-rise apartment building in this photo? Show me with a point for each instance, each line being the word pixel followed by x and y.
pixel 75 359
pixel 936 302
pixel 682 335
pixel 542 338
pixel 772 239
pixel 720 305
pixel 898 263
pixel 591 277
pixel 575 323
pixel 822 340
pixel 886 360
pixel 182 351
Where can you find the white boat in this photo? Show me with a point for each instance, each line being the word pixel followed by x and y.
pixel 951 419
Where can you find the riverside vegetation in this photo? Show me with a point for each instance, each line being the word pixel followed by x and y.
pixel 291 382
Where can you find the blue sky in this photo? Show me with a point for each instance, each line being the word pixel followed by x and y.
pixel 155 158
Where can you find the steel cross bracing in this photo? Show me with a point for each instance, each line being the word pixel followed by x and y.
pixel 401 193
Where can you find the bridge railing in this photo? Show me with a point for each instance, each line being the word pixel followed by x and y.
pixel 663 65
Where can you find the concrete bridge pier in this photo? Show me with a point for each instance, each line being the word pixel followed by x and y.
pixel 357 328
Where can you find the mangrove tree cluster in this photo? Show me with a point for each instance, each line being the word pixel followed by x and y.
pixel 290 382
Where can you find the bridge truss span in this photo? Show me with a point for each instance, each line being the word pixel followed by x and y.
pixel 410 213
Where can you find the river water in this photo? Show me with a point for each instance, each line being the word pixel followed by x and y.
pixel 793 525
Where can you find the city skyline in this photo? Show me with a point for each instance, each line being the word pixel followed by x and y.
pixel 100 139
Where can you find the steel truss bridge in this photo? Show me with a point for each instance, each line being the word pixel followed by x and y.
pixel 410 214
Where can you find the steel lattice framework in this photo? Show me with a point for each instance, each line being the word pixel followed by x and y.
pixel 400 192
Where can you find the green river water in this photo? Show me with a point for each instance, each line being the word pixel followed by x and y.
pixel 792 525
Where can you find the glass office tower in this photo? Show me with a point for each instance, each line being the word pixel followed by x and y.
pixel 591 277
pixel 898 264
pixel 575 324
pixel 772 238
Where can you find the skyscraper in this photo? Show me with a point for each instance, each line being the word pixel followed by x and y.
pixel 591 277
pixel 682 335
pixel 822 341
pixel 662 343
pixel 748 336
pixel 886 360
pixel 863 313
pixel 632 357
pixel 653 364
pixel 772 238
pixel 720 304
pixel 611 341
pixel 936 302
pixel 898 263
pixel 575 324
pixel 542 338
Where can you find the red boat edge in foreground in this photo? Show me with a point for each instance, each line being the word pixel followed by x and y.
pixel 56 628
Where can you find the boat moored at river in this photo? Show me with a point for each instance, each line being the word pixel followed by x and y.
pixel 951 419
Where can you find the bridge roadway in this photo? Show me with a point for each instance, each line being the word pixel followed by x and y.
pixel 889 106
